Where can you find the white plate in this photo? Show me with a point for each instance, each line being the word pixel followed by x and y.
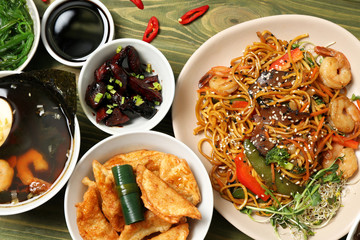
pixel 230 43
pixel 128 142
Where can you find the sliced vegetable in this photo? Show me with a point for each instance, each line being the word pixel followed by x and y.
pixel 151 30
pixel 282 184
pixel 239 104
pixel 345 141
pixel 279 156
pixel 138 3
pixel 243 174
pixel 129 193
pixel 193 14
pixel 284 62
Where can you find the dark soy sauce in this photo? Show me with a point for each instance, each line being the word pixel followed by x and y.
pixel 76 28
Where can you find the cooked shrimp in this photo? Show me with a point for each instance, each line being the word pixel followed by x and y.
pixel 344 114
pixel 220 79
pixel 6 175
pixel 30 157
pixel 345 157
pixel 335 70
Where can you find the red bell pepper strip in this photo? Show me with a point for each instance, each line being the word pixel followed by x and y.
pixel 284 62
pixel 345 141
pixel 243 174
pixel 152 30
pixel 193 14
pixel 138 3
pixel 239 104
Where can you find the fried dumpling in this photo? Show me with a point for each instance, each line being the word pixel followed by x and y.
pixel 179 232
pixel 177 173
pixel 150 159
pixel 151 224
pixel 162 199
pixel 91 222
pixel 111 205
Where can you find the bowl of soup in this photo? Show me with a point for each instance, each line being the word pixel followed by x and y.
pixel 39 138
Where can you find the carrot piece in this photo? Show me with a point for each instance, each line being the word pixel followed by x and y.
pixel 326 89
pixel 324 110
pixel 319 92
pixel 304 106
pixel 321 123
pixel 345 141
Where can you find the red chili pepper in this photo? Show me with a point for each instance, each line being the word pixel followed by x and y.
pixel 284 62
pixel 193 14
pixel 243 174
pixel 138 3
pixel 152 30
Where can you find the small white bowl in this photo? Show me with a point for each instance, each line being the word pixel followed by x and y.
pixel 12 209
pixel 128 142
pixel 106 18
pixel 148 54
pixel 36 25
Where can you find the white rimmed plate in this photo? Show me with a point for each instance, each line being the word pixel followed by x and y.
pixel 128 142
pixel 230 43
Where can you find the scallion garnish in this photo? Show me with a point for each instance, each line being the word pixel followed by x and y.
pixel 98 97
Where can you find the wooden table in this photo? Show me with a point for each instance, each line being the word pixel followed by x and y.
pixel 177 43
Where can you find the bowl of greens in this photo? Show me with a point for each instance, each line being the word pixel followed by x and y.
pixel 19 33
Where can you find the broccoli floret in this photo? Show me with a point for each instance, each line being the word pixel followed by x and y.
pixel 279 156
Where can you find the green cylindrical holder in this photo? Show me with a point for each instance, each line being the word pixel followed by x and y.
pixel 129 193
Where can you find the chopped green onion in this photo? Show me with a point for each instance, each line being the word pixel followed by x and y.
pixel 141 77
pixel 107 95
pixel 122 100
pixel 354 97
pixel 98 97
pixel 109 111
pixel 148 68
pixel 156 86
pixel 110 87
pixel 138 100
pixel 118 49
pixel 112 91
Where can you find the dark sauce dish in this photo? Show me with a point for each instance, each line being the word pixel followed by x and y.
pixel 72 29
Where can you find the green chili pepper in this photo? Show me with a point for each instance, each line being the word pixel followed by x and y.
pixel 282 185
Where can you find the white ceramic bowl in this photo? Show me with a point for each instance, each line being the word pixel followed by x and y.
pixel 36 20
pixel 127 142
pixel 109 31
pixel 11 209
pixel 148 54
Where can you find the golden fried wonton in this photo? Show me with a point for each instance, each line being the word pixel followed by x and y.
pixel 177 173
pixel 150 159
pixel 111 205
pixel 173 170
pixel 150 225
pixel 162 199
pixel 179 232
pixel 92 224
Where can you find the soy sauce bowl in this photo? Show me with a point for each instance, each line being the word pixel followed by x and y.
pixel 72 29
pixel 148 54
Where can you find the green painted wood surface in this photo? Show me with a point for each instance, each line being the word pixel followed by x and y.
pixel 177 43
